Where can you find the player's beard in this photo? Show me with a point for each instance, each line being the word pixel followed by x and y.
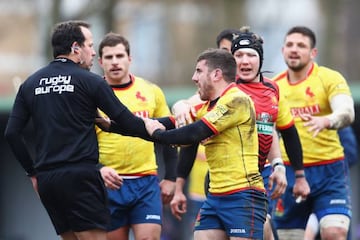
pixel 205 91
pixel 294 66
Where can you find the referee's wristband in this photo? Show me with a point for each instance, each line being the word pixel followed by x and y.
pixel 300 175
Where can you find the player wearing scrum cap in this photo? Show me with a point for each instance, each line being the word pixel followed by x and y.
pixel 248 52
pixel 235 207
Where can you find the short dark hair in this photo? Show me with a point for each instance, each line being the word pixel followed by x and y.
pixel 65 34
pixel 222 59
pixel 304 31
pixel 111 40
pixel 226 34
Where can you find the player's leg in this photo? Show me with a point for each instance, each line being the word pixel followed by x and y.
pixel 334 227
pixel 119 233
pixel 119 203
pixel 96 234
pixel 270 232
pixel 146 214
pixel 149 231
pixel 242 214
pixel 217 234
pixel 289 217
pixel 312 228
pixel 207 223
pixel 269 228
pixel 333 206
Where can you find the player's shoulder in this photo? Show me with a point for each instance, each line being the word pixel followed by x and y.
pixel 270 81
pixel 145 83
pixel 326 75
pixel 326 71
pixel 270 84
pixel 280 77
pixel 232 92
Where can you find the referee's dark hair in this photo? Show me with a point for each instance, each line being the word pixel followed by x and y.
pixel 65 34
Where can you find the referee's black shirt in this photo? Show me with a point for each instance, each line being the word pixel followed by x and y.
pixel 62 100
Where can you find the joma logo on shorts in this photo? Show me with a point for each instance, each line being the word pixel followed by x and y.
pixel 338 201
pixel 157 217
pixel 237 230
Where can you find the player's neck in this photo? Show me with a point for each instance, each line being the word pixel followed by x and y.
pixel 118 81
pixel 220 89
pixel 300 75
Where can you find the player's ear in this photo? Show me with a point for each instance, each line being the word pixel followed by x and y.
pixel 313 53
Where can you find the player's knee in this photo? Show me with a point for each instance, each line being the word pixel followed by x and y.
pixel 290 234
pixel 334 226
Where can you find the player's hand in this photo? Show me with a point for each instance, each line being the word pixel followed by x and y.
pixel 178 205
pixel 301 189
pixel 111 178
pixel 278 177
pixel 152 125
pixel 182 111
pixel 167 190
pixel 314 124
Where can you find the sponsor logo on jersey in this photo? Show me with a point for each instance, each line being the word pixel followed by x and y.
pixel 314 109
pixel 264 123
pixel 264 128
pixel 217 113
pixel 144 114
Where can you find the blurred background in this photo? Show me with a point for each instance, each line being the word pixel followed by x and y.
pixel 165 39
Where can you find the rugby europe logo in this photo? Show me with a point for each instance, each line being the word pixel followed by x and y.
pixel 56 84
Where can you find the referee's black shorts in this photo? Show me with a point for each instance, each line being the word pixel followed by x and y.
pixel 74 197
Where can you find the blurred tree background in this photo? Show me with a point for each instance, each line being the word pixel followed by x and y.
pixel 165 38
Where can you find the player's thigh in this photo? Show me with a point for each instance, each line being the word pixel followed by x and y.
pixel 210 234
pixel 150 231
pixel 268 234
pixel 91 235
pixel 119 233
